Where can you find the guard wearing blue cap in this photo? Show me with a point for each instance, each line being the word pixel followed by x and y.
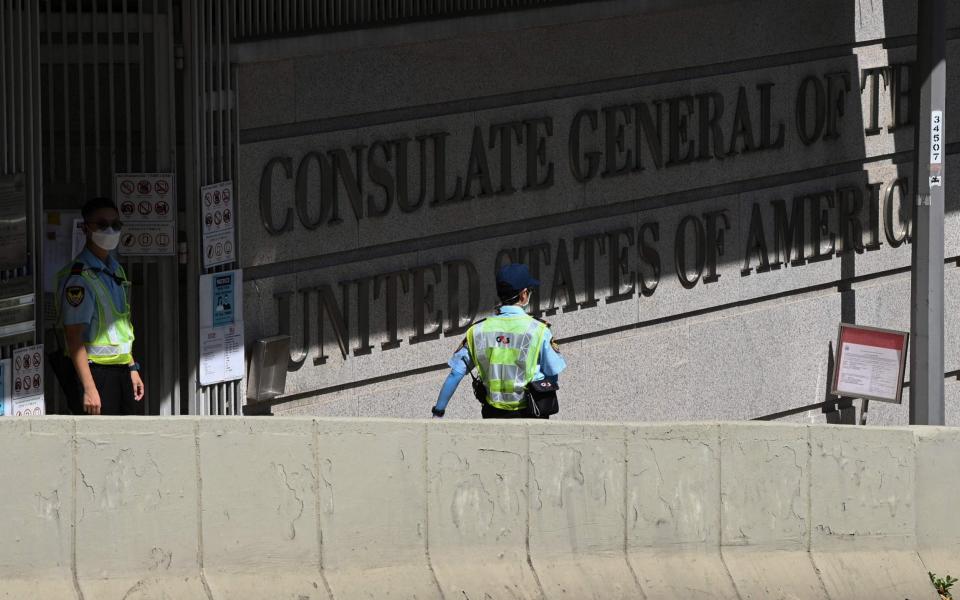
pixel 514 353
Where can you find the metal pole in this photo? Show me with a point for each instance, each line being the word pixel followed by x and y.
pixel 926 276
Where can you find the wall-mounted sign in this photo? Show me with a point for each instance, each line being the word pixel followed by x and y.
pixel 221 327
pixel 27 380
pixel 218 213
pixel 29 407
pixel 148 207
pixel 870 363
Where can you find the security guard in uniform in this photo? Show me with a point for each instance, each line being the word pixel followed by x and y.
pixel 93 318
pixel 509 349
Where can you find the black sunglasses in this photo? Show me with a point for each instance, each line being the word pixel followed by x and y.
pixel 101 225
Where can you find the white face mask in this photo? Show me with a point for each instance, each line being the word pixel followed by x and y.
pixel 107 239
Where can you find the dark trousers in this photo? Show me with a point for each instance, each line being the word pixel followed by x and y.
pixel 492 412
pixel 115 389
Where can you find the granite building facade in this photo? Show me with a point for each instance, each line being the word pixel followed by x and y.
pixel 706 190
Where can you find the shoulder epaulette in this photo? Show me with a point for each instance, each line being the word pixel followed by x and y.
pixel 542 321
pixel 77 268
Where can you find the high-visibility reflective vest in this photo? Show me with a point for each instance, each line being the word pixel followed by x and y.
pixel 506 351
pixel 112 343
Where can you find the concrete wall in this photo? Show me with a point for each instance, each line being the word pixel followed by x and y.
pixel 742 345
pixel 282 508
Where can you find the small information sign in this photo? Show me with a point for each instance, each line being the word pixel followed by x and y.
pixel 870 363
pixel 29 407
pixel 218 213
pixel 221 328
pixel 27 372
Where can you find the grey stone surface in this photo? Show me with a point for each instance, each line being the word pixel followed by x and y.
pixel 741 346
pixel 268 95
pixel 492 62
pixel 739 363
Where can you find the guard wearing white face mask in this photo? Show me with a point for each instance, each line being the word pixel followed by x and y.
pixel 94 321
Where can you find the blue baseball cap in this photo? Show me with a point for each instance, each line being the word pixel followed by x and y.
pixel 513 278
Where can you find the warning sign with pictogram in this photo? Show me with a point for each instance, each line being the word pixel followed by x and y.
pixel 217 224
pixel 28 372
pixel 148 207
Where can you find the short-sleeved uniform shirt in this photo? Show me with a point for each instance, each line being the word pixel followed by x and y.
pixel 78 302
pixel 550 365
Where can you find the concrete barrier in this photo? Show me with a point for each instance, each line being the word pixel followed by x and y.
pixel 479 511
pixel 137 526
pixel 938 477
pixel 863 535
pixel 317 509
pixel 765 511
pixel 37 508
pixel 674 520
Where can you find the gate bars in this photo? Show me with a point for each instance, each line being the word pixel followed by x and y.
pixel 211 124
pixel 20 154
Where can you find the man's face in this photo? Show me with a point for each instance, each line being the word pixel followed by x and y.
pixel 100 220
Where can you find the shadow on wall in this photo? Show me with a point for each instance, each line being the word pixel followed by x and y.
pixel 728 216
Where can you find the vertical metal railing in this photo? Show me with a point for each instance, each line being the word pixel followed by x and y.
pixel 266 18
pixel 20 165
pixel 211 124
pixel 109 108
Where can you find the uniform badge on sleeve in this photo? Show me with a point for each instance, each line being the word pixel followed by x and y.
pixel 75 294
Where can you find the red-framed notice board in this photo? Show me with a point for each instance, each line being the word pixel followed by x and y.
pixel 870 363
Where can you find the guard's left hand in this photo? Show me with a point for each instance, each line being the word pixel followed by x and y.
pixel 137 385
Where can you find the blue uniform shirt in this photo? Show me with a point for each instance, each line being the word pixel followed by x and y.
pixel 78 302
pixel 550 366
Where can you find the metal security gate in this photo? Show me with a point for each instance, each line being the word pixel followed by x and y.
pixel 21 182
pixel 211 127
pixel 108 106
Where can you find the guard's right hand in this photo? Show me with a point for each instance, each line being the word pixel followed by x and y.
pixel 91 402
pixel 437 413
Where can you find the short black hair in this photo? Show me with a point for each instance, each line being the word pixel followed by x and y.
pixel 94 204
pixel 508 295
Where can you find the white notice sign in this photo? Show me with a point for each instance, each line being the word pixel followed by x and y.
pixel 29 407
pixel 868 371
pixel 221 327
pixel 221 354
pixel 870 363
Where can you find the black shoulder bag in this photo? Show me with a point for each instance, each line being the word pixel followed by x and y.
pixel 542 398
